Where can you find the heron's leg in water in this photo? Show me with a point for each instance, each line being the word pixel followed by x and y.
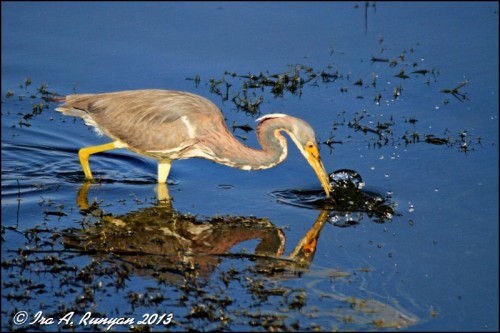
pixel 84 154
pixel 163 170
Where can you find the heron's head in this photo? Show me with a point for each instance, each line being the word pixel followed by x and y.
pixel 304 137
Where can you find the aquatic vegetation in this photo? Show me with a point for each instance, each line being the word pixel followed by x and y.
pixel 41 98
pixel 455 92
pixel 248 92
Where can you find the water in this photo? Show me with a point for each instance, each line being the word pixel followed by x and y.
pixel 259 250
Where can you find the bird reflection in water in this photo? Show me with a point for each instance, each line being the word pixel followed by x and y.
pixel 162 240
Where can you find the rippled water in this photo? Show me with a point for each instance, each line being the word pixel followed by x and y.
pixel 350 202
pixel 404 112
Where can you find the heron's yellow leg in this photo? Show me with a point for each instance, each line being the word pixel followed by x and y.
pixel 163 170
pixel 84 154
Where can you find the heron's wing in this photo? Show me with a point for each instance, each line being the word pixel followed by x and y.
pixel 147 120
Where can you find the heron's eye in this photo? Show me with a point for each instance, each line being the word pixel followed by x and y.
pixel 310 147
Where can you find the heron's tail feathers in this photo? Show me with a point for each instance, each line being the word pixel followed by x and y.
pixel 75 105
pixel 70 111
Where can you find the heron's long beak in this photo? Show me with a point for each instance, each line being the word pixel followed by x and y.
pixel 312 156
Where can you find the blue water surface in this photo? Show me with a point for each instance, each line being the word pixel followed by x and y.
pixel 397 63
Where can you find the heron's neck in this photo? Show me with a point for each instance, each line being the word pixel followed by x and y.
pixel 274 148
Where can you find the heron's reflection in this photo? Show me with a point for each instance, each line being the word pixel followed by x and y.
pixel 167 241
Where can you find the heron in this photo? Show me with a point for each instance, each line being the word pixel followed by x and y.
pixel 170 125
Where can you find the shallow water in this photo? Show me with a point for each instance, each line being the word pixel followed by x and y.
pixel 262 250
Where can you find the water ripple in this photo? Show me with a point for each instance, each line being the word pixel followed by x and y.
pixel 47 164
pixel 350 201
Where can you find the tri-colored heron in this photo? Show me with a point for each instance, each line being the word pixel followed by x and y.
pixel 171 125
